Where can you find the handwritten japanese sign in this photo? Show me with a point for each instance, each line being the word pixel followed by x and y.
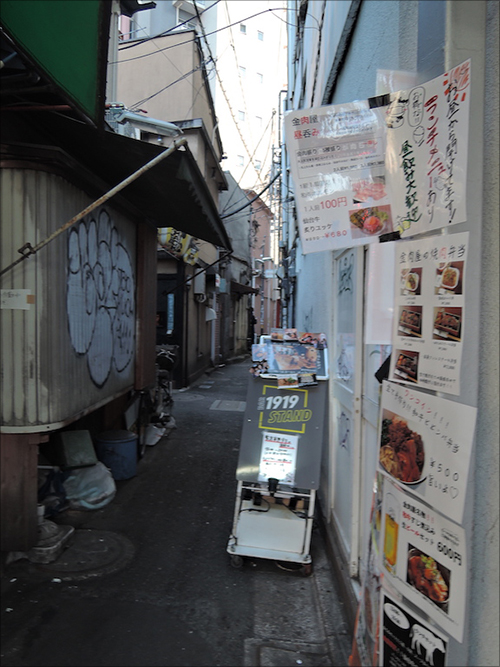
pixel 429 313
pixel 425 446
pixel 424 557
pixel 337 161
pixel 426 161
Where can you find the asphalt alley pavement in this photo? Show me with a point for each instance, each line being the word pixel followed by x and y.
pixel 147 580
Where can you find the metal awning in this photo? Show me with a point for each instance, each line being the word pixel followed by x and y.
pixel 171 194
pixel 239 288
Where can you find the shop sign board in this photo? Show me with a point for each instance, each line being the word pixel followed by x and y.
pixel 292 420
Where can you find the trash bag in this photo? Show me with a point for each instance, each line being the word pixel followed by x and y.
pixel 51 491
pixel 90 488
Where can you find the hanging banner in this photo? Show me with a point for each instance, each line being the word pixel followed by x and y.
pixel 424 557
pixel 406 640
pixel 179 244
pixel 425 446
pixel 337 162
pixel 426 162
pixel 429 314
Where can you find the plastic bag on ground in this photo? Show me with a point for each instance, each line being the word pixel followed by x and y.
pixel 90 488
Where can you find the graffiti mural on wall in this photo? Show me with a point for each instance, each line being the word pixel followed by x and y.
pixel 100 297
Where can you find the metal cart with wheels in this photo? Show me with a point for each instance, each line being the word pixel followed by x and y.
pixel 278 468
pixel 275 527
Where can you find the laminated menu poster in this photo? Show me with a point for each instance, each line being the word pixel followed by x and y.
pixel 423 556
pixel 426 160
pixel 429 314
pixel 425 445
pixel 278 456
pixel 406 640
pixel 337 162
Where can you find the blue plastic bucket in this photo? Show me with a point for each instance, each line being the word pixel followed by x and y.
pixel 118 451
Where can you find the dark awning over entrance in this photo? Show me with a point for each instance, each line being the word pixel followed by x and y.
pixel 239 288
pixel 171 194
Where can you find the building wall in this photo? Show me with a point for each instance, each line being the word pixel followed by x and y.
pixel 84 282
pixel 252 71
pixel 422 39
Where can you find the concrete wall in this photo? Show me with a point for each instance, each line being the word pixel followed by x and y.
pixel 425 38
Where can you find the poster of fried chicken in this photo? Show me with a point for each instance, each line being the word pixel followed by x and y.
pixel 424 446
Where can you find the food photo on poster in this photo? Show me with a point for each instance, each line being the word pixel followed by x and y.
pixel 429 577
pixel 402 452
pixel 425 445
pixel 447 323
pixel 296 358
pixel 406 640
pixel 424 558
pixel 410 321
pixel 370 221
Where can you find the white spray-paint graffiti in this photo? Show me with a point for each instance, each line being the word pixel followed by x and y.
pixel 100 297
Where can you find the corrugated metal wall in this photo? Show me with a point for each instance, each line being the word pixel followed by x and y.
pixel 73 346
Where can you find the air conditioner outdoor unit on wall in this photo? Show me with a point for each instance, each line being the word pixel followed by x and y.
pixel 199 283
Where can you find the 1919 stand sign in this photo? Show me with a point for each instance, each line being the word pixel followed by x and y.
pixel 295 414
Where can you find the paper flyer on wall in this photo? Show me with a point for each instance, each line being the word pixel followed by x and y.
pixel 425 445
pixel 337 162
pixel 426 160
pixel 407 640
pixel 429 314
pixel 424 557
pixel 278 457
pixel 366 627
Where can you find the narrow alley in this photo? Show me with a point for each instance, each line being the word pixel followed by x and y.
pixel 147 580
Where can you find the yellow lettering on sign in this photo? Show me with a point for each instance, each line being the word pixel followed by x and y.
pixel 278 416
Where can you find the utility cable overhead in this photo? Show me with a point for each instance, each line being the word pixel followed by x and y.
pixel 173 46
pixel 250 201
pixel 237 65
pixel 221 85
pixel 166 32
pixel 255 149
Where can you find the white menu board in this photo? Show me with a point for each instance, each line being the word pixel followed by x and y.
pixel 426 161
pixel 425 444
pixel 429 314
pixel 278 457
pixel 424 557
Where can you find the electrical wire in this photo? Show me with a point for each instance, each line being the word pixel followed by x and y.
pixel 223 217
pixel 244 171
pixel 166 32
pixel 129 46
pixel 158 92
pixel 220 80
pixel 236 63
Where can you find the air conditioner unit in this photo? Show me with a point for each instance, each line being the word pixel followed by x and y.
pixel 199 283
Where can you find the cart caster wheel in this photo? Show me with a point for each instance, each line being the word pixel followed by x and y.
pixel 237 562
pixel 306 570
